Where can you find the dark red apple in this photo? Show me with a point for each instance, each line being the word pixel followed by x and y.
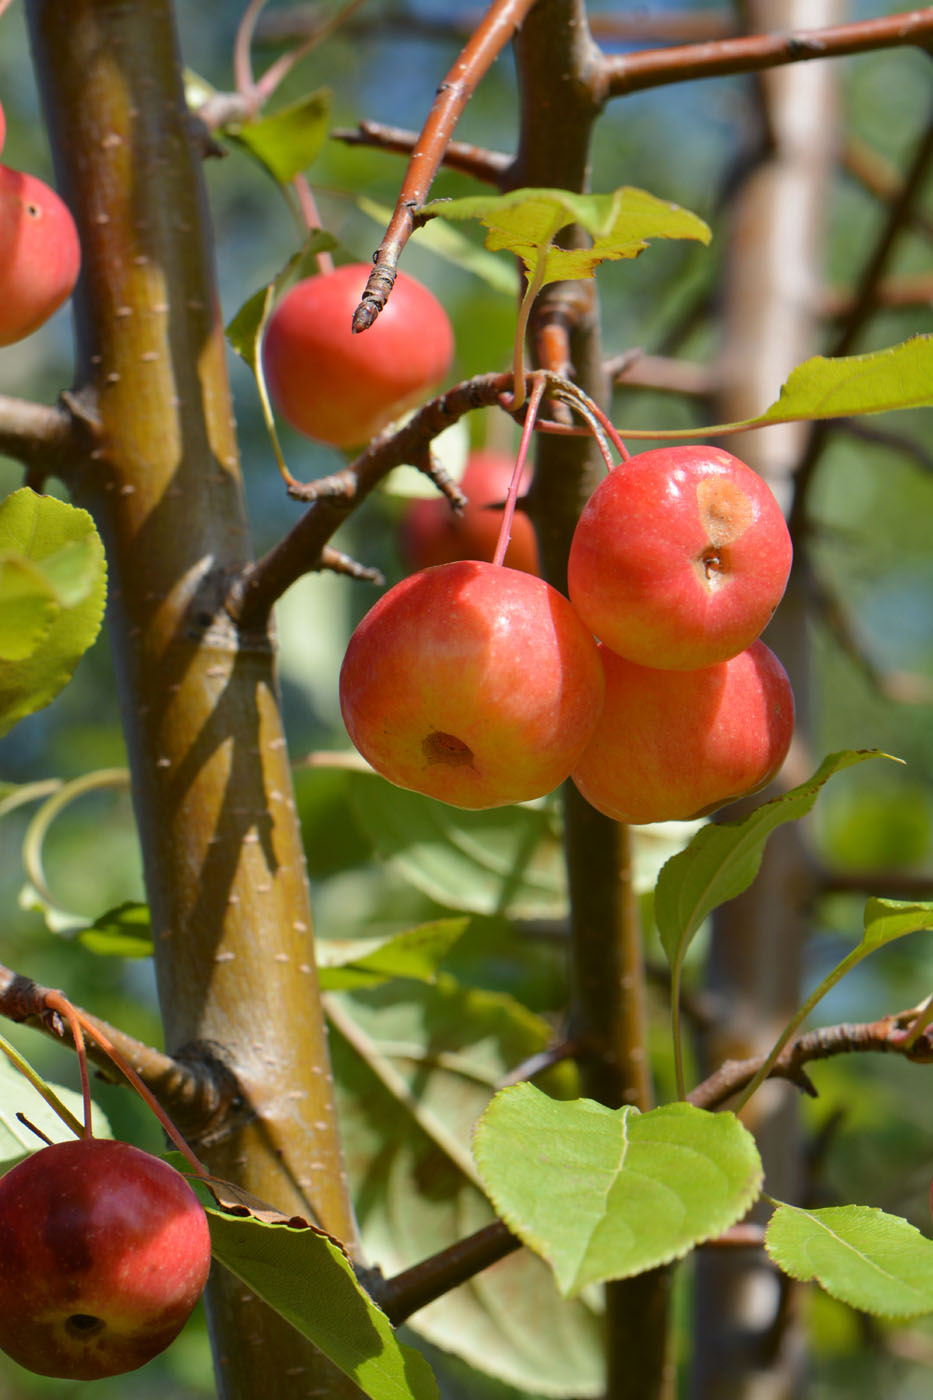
pixel 671 745
pixel 472 683
pixel 104 1251
pixel 432 533
pixel 679 558
pixel 342 388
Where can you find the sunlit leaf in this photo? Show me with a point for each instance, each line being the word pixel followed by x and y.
pixel 310 1282
pixel 414 954
pixel 887 919
pixel 59 543
pixel 608 1193
pixel 526 221
pixel 723 858
pixel 289 140
pixel 868 1259
pixel 17 1095
pixel 123 932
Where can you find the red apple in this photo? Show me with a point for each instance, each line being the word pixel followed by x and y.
pixel 433 533
pixel 40 255
pixel 472 683
pixel 680 557
pixel 342 388
pixel 672 745
pixel 104 1251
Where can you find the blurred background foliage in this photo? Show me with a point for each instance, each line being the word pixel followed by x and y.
pixel 869 520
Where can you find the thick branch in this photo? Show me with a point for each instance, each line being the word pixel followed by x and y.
pixel 44 438
pixel 624 73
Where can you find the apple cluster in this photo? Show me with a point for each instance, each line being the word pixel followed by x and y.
pixel 40 255
pixel 104 1251
pixel 482 685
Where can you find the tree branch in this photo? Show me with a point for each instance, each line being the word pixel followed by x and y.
pixel 195 1090
pixel 624 73
pixel 488 166
pixel 44 438
pixel 334 497
pixel 496 29
pixel 873 1036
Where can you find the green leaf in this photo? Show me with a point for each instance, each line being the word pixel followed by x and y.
pixel 306 1278
pixel 413 954
pixel 17 1095
pixel 450 1046
pixel 887 919
pixel 900 376
pixel 604 1193
pixel 526 221
pixel 245 328
pixel 123 932
pixel 506 860
pixel 57 544
pixel 287 142
pixel 868 1259
pixel 723 859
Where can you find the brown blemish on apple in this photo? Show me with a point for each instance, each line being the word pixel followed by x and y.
pixel 725 510
pixel 439 747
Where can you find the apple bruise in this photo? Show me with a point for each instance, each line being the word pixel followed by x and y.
pixel 439 747
pixel 725 512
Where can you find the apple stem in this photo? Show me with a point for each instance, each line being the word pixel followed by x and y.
pixel 79 1023
pixel 508 513
pixel 56 1002
pixel 312 219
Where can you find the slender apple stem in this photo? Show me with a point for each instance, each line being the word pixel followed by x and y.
pixel 535 283
pixel 312 218
pixel 77 1022
pixel 40 1086
pixel 508 514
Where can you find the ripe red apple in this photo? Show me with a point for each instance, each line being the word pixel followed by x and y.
pixel 40 255
pixel 342 388
pixel 672 745
pixel 432 533
pixel 472 683
pixel 104 1251
pixel 679 558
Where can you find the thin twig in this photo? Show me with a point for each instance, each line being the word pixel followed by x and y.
pixel 881 178
pixel 634 72
pixel 481 164
pixel 496 29
pixel 874 1036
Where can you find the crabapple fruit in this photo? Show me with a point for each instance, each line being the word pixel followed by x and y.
pixel 40 255
pixel 673 745
pixel 679 558
pixel 472 683
pixel 433 533
pixel 104 1251
pixel 342 388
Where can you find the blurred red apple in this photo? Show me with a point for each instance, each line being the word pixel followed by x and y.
pixel 40 255
pixel 679 558
pixel 672 745
pixel 433 533
pixel 104 1251
pixel 472 683
pixel 342 388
